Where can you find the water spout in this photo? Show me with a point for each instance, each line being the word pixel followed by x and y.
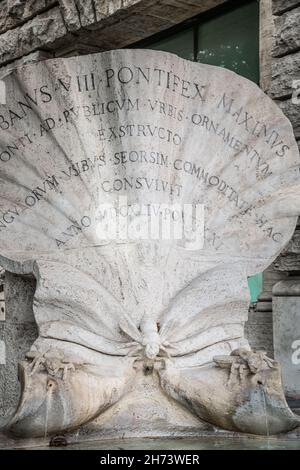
pixel 50 385
pixel 264 402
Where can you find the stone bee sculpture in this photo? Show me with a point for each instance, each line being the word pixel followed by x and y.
pixel 147 340
pixel 103 305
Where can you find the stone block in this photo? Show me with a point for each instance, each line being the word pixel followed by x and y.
pixel 70 14
pixel 15 12
pixel 18 333
pixel 292 112
pixel 289 260
pixel 280 6
pixel 285 70
pixel 2 305
pixel 40 32
pixel 25 60
pixel 259 331
pixel 286 37
pixel 286 319
pixel 18 338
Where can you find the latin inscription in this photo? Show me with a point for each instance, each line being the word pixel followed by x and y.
pixel 146 136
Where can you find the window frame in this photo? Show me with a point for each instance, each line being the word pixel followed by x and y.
pixel 191 23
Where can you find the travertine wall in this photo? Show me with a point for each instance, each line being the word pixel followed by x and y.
pixel 279 71
pixel 17 333
pixel 78 26
pixel 286 59
pixel 2 317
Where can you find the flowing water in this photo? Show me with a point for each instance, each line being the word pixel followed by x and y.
pixel 48 404
pixel 264 402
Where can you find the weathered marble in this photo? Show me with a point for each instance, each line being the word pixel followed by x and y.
pixel 280 6
pixel 266 31
pixel 2 352
pixel 15 12
pixel 286 315
pixel 289 260
pixel 259 330
pixel 86 25
pixel 292 112
pixel 117 315
pixel 39 32
pixel 26 60
pixel 281 84
pixel 18 333
pixel 287 35
pixel 285 70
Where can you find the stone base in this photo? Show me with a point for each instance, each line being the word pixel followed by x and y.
pixel 145 412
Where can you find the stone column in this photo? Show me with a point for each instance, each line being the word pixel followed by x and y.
pixel 17 334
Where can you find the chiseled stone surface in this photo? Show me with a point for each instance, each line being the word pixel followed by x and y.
pixel 25 60
pixel 287 34
pixel 290 257
pixel 104 24
pixel 280 6
pixel 18 333
pixel 41 31
pixel 17 338
pixel 15 12
pixel 123 321
pixel 87 12
pixel 70 14
pixel 284 71
pixel 266 30
pixel 259 331
pixel 2 353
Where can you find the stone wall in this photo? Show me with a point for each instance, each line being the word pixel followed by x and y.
pixel 18 332
pixel 62 27
pixel 285 68
pixel 2 317
pixel 279 72
pixel 286 60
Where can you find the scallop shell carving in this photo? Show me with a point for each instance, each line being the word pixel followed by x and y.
pixel 79 135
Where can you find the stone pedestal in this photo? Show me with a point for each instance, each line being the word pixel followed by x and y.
pixel 286 318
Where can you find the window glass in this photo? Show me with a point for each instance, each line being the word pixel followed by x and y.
pixel 231 40
pixel 181 43
pixel 255 284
